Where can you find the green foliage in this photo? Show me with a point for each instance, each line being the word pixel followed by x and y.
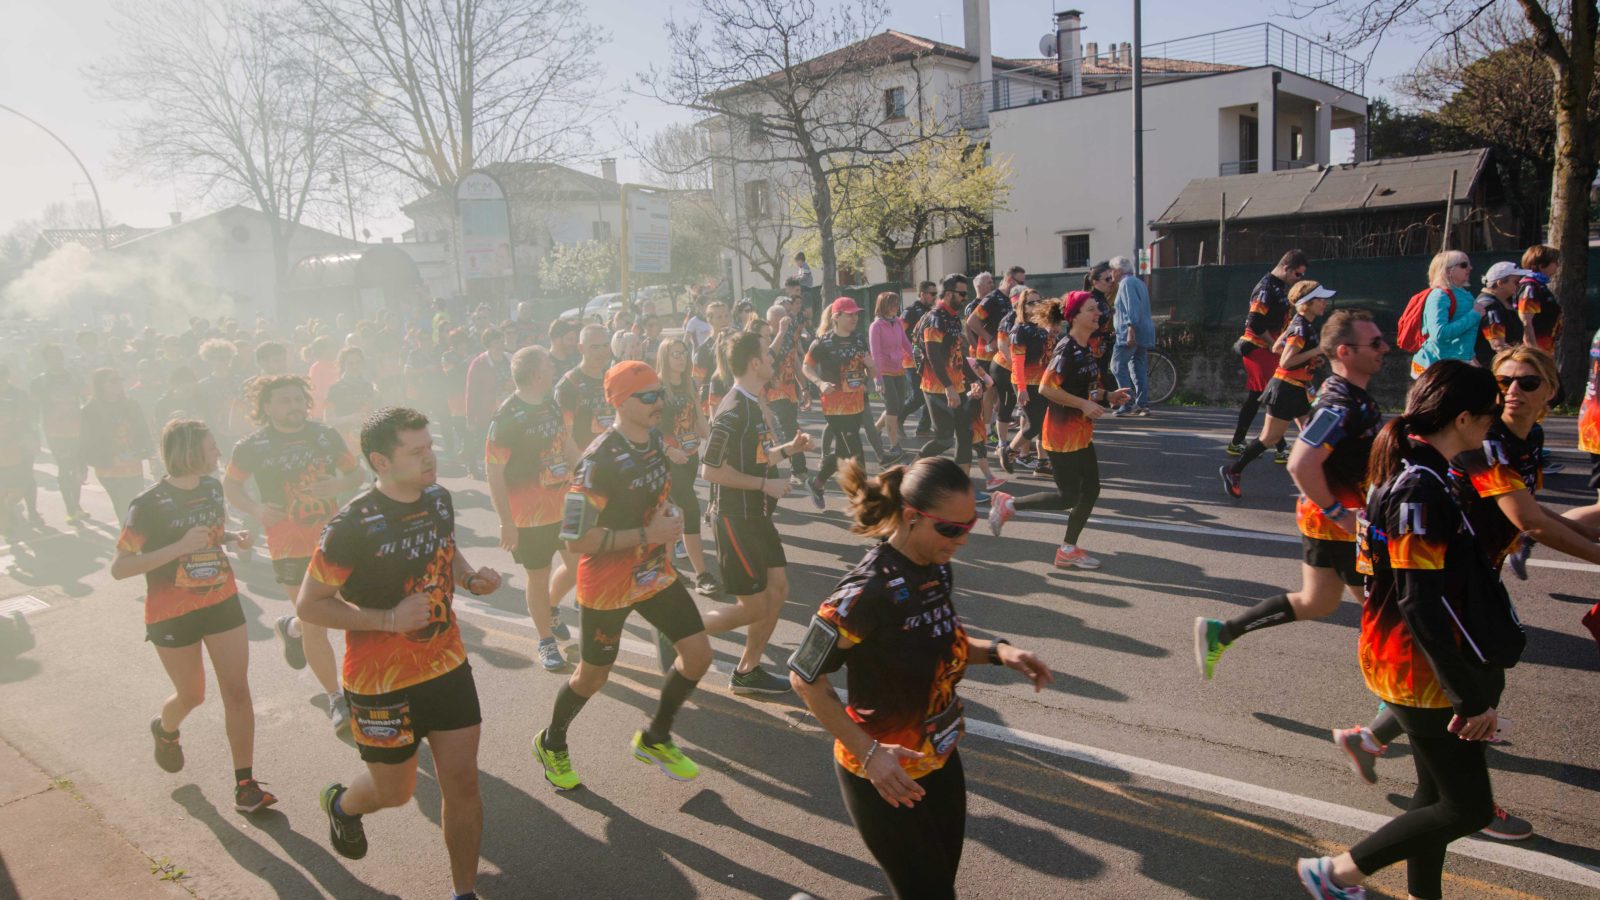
pixel 579 271
pixel 1395 132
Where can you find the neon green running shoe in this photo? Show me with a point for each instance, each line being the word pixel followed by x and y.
pixel 665 756
pixel 1208 645
pixel 557 765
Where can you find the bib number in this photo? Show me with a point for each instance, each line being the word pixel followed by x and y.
pixel 385 726
pixel 206 569
pixel 944 730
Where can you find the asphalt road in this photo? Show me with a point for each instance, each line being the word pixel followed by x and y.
pixel 1129 778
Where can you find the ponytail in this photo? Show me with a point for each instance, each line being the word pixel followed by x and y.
pixel 875 503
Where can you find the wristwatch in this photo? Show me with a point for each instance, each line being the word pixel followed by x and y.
pixel 994 651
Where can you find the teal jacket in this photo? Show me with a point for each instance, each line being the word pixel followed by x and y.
pixel 1444 337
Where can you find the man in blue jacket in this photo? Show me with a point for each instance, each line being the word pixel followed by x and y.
pixel 1136 334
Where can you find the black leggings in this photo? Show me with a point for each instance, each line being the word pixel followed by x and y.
pixel 1247 416
pixel 1452 801
pixel 842 437
pixel 1035 408
pixel 1005 394
pixel 786 412
pixel 950 426
pixel 1077 477
pixel 917 847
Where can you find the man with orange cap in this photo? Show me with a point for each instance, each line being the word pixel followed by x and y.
pixel 618 520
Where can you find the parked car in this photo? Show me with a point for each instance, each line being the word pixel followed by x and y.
pixel 599 309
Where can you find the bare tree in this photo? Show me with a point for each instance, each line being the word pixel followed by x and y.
pixel 441 87
pixel 223 100
pixel 1564 35
pixel 679 157
pixel 789 89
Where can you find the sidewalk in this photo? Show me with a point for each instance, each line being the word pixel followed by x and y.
pixel 54 844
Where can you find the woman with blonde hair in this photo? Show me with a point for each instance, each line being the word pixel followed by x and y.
pixel 684 430
pixel 1449 317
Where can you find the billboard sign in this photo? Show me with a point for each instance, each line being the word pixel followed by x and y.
pixel 485 227
pixel 649 232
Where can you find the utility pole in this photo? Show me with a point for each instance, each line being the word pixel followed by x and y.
pixel 1138 136
pixel 99 211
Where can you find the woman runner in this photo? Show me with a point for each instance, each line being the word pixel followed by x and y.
pixel 684 428
pixel 840 364
pixel 895 743
pixel 116 440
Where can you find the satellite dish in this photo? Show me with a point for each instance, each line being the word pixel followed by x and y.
pixel 1047 45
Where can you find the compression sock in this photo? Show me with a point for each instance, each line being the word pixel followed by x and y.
pixel 673 693
pixel 1282 445
pixel 1252 450
pixel 1267 613
pixel 240 776
pixel 568 704
pixel 1385 726
pixel 1247 415
pixel 294 628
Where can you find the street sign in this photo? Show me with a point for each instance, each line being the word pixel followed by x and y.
pixel 485 217
pixel 649 232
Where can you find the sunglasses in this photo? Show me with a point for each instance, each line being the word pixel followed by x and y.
pixel 1377 343
pixel 959 293
pixel 1461 265
pixel 944 527
pixel 1528 383
pixel 648 398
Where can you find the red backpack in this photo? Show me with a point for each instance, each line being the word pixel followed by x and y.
pixel 1409 335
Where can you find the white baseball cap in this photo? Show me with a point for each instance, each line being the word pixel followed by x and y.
pixel 1504 270
pixel 1320 292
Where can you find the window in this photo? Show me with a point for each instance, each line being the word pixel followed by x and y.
pixel 757 200
pixel 894 103
pixel 757 129
pixel 1075 251
pixel 602 230
pixel 1297 143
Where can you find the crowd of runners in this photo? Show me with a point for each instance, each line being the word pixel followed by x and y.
pixel 593 440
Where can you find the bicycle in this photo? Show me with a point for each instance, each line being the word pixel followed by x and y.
pixel 1163 377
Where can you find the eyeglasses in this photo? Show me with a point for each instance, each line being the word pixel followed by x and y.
pixel 1461 265
pixel 944 527
pixel 1377 343
pixel 648 398
pixel 959 293
pixel 1528 383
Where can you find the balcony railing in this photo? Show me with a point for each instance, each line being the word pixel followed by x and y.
pixel 1252 166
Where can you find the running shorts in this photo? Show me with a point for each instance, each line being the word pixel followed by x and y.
pixel 1285 400
pixel 671 610
pixel 748 547
pixel 291 571
pixel 1259 364
pixel 536 546
pixel 388 727
pixel 189 628
pixel 1340 556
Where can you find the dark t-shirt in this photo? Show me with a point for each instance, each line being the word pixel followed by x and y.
pixel 1503 465
pixel 582 399
pixel 159 518
pixel 990 308
pixel 283 464
pixel 1297 338
pixel 1535 298
pixel 530 440
pixel 1073 369
pixel 377 551
pixel 1499 322
pixel 348 396
pixel 1346 419
pixel 1269 309
pixel 739 440
pixel 842 361
pixel 620 486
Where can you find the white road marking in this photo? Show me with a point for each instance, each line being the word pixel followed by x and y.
pixel 1294 804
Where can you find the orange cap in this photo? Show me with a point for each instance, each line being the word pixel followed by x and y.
pixel 625 379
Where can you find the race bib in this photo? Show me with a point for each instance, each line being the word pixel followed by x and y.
pixel 208 568
pixel 650 567
pixel 689 445
pixel 386 726
pixel 944 730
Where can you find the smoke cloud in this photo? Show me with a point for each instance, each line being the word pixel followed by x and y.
pixel 163 285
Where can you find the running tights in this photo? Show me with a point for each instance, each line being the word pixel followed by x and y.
pixel 1077 477
pixel 918 847
pixel 1247 416
pixel 1034 408
pixel 1452 801
pixel 842 437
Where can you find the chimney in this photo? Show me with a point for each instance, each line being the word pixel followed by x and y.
pixel 1069 49
pixel 975 16
pixel 608 169
pixel 175 217
pixel 1091 53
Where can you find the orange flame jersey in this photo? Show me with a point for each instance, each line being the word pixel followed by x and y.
pixel 1589 413
pixel 910 654
pixel 1298 337
pixel 942 325
pixel 786 367
pixel 842 361
pixel 160 517
pixel 377 551
pixel 1504 465
pixel 583 405
pixel 284 465
pixel 620 486
pixel 1535 299
pixel 678 418
pixel 1030 354
pixel 1345 420
pixel 990 309
pixel 1269 310
pixel 530 440
pixel 1073 369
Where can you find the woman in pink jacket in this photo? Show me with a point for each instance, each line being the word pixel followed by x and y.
pixel 891 354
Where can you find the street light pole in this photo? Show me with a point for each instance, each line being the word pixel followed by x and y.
pixel 99 211
pixel 1138 135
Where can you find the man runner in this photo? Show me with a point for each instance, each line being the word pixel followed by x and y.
pixel 1329 466
pixel 742 465
pixel 783 387
pixel 1269 313
pixel 300 469
pixel 529 458
pixel 942 336
pixel 618 520
pixel 385 573
pixel 581 392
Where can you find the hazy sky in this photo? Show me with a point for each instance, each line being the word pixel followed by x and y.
pixel 47 43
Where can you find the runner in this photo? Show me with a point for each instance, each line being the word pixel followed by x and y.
pixel 1076 398
pixel 352 398
pixel 741 462
pixel 385 573
pixel 564 352
pixel 840 363
pixel 891 354
pixel 1442 678
pixel 1288 394
pixel 1269 312
pixel 1537 306
pixel 618 519
pixel 685 432
pixel 488 383
pixel 983 317
pixel 528 458
pixel 116 441
pixel 1329 466
pixel 18 443
pixel 1500 327
pixel 784 392
pixel 300 468
pixel 58 396
pixel 581 392
pixel 892 621
pixel 911 317
pixel 174 537
pixel 943 340
pixel 1032 339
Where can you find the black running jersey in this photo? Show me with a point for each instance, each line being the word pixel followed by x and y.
pixel 739 440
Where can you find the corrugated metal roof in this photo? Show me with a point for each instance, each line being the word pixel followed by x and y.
pixel 1376 184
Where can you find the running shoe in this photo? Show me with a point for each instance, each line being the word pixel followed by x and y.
pixel 557 765
pixel 706 584
pixel 349 839
pixel 1001 509
pixel 758 681
pixel 1119 412
pixel 1506 827
pixel 681 551
pixel 77 516
pixel 666 653
pixel 338 711
pixel 1031 463
pixel 550 655
pixel 1142 412
pixel 1008 459
pixel 1518 558
pixel 294 649
pixel 1362 761
pixel 665 756
pixel 994 483
pixel 1230 481
pixel 1075 559
pixel 1045 469
pixel 1317 876
pixel 1236 449
pixel 814 487
pixel 1208 645
pixel 169 753
pixel 558 628
pixel 248 797
pixel 1281 457
pixel 980 497
pixel 891 456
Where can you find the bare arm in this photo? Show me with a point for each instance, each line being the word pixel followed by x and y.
pixel 128 563
pixel 1550 530
pixel 320 604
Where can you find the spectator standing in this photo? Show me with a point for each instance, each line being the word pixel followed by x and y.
pixel 1136 334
